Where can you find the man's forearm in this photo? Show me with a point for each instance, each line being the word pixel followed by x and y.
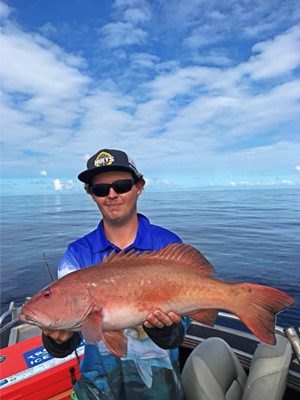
pixel 168 337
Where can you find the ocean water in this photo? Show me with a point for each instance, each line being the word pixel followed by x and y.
pixel 248 234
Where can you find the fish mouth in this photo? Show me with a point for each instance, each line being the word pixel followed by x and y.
pixel 25 318
pixel 28 315
pixel 43 321
pixel 29 320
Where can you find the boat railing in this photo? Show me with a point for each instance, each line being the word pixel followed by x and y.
pixel 293 337
pixel 13 312
pixel 9 318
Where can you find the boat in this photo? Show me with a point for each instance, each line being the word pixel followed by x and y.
pixel 208 356
pixel 28 371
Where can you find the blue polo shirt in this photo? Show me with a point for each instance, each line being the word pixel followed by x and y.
pixel 147 372
pixel 92 248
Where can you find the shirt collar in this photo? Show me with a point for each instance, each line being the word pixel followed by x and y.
pixel 143 240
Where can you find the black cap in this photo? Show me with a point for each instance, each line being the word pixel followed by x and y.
pixel 108 160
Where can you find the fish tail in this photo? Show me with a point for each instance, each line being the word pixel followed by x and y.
pixel 258 308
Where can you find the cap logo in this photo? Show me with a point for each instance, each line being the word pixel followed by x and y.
pixel 104 159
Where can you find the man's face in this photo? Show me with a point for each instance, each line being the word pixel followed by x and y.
pixel 117 208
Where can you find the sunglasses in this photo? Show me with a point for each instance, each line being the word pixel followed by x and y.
pixel 121 186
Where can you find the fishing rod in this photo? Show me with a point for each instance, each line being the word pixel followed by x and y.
pixel 48 268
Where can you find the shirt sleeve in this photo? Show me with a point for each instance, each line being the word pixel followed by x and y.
pixel 169 337
pixel 68 263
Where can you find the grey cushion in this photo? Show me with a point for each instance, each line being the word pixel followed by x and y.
pixel 269 370
pixel 213 372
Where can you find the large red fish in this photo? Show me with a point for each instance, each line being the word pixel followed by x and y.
pixel 102 300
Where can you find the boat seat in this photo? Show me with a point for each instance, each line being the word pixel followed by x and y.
pixel 213 372
pixel 269 370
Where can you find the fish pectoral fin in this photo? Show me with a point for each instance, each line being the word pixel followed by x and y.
pixel 116 342
pixel 92 327
pixel 206 317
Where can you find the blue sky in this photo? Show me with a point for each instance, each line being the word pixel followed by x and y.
pixel 198 92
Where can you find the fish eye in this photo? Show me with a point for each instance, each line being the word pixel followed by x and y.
pixel 47 294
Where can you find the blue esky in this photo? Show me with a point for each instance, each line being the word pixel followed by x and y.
pixel 198 92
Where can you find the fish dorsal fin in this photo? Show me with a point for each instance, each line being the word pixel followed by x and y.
pixel 187 255
pixel 184 254
pixel 122 254
pixel 109 257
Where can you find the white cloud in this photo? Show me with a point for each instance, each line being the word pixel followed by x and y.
pixel 117 34
pixel 124 4
pixel 39 98
pixel 143 60
pixel 215 103
pixel 57 184
pixel 137 15
pixel 244 183
pixel 287 182
pixel 43 172
pixel 183 81
pixel 41 90
pixel 269 62
pixel 48 29
pixel 47 78
pixel 206 22
pixel 107 117
pixel 203 37
pixel 239 183
pixel 4 11
pixel 170 113
pixel 298 168
pixel 128 30
pixel 69 184
pixel 148 182
pixel 217 58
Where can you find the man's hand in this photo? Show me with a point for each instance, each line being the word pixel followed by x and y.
pixel 58 336
pixel 159 319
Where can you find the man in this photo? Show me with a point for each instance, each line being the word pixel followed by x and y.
pixel 150 371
